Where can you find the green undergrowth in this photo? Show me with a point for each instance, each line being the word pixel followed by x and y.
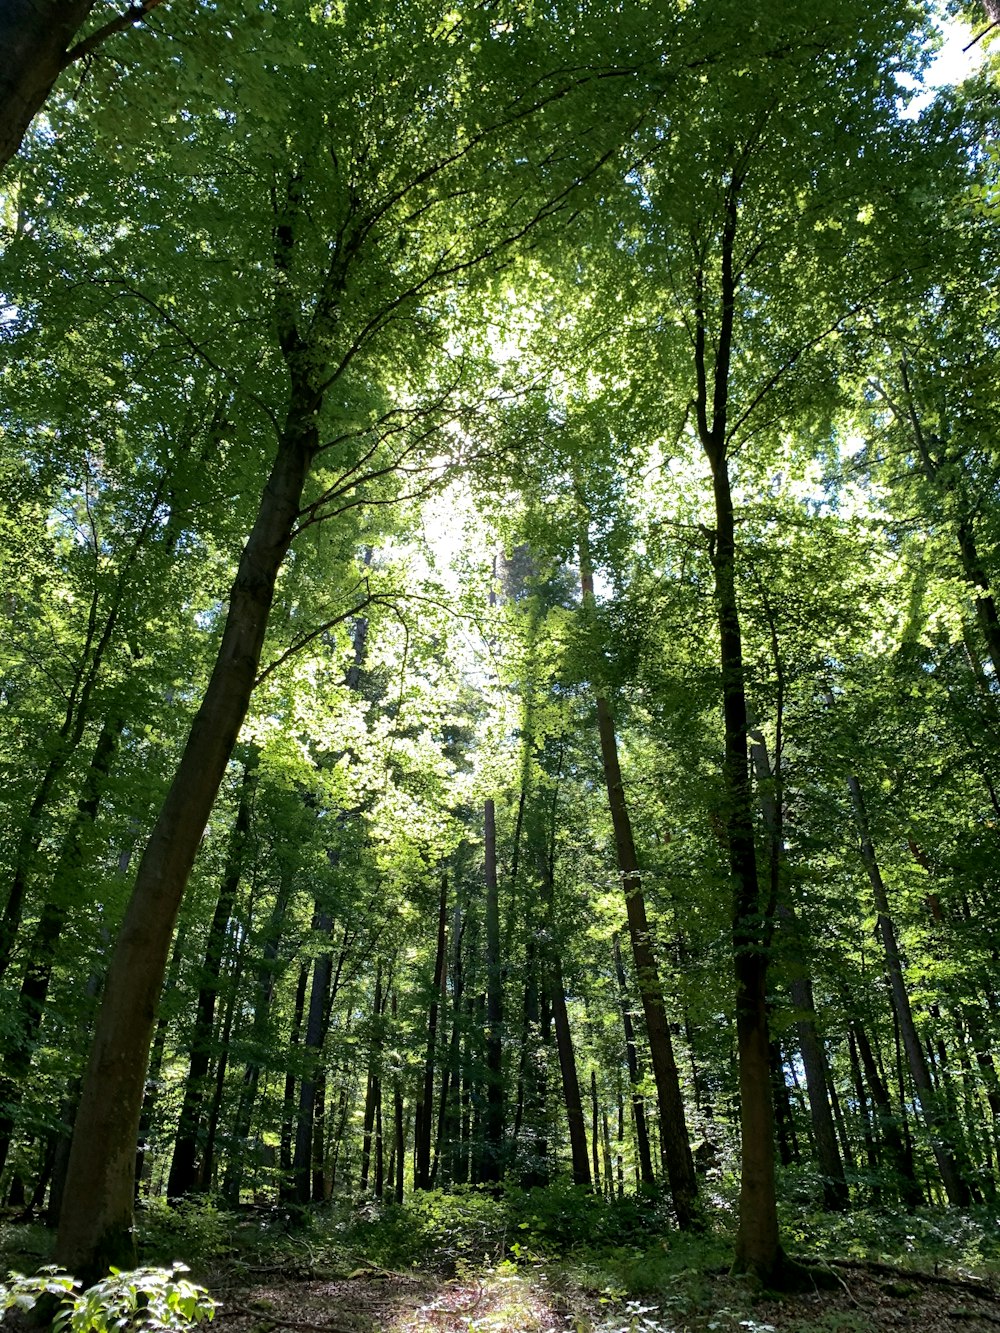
pixel 620 1260
pixel 938 1240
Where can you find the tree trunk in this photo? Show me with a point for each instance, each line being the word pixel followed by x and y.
pixel 263 995
pixel 646 1176
pixel 183 1178
pixel 871 1147
pixel 206 1167
pixel 424 1116
pixel 895 1141
pixel 96 1224
pixel 788 1148
pixel 491 1167
pixel 39 39
pixel 556 994
pixel 570 1082
pixel 956 1187
pixel 399 1127
pixel 373 1089
pixel 448 1133
pixel 814 1061
pixel 152 1088
pixel 678 1162
pixel 20 1045
pixel 286 1190
pixel 324 985
pixel 595 1120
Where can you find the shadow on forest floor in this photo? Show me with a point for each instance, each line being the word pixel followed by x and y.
pixel 557 1261
pixel 505 1299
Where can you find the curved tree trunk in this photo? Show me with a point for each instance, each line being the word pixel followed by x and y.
pixel 95 1227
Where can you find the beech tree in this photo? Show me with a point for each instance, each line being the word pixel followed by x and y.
pixel 628 397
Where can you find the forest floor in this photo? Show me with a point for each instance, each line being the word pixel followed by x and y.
pixel 559 1261
pixel 508 1299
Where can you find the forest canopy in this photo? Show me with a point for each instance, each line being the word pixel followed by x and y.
pixel 498 682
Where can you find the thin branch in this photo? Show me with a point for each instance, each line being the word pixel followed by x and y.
pixel 133 15
pixel 298 644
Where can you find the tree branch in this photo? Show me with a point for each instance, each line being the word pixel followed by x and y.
pixel 133 15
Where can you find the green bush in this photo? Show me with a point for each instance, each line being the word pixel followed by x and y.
pixel 150 1299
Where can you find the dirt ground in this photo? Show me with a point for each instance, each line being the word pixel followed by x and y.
pixel 862 1299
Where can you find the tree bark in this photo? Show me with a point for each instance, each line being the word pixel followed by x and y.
pixel 19 1050
pixel 814 1061
pixel 424 1116
pixel 263 995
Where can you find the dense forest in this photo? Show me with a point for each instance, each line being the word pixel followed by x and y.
pixel 499 660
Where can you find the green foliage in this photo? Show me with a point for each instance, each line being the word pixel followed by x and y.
pixel 159 1299
pixel 928 1240
pixel 195 1227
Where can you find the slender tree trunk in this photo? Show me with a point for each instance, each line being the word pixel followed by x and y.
pixel 399 1128
pixel 896 1143
pixel 263 995
pixel 646 1175
pixel 814 1061
pixel 424 1115
pixel 678 1162
pixel 784 1124
pixel 286 1192
pixel 373 1090
pixel 206 1167
pixel 595 1121
pixel 183 1177
pixel 20 1044
pixel 956 1187
pixel 864 1111
pixel 325 984
pixel 491 1168
pixel 448 1129
pixel 556 994
pixel 570 1082
pixel 152 1089
pixel 758 1248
